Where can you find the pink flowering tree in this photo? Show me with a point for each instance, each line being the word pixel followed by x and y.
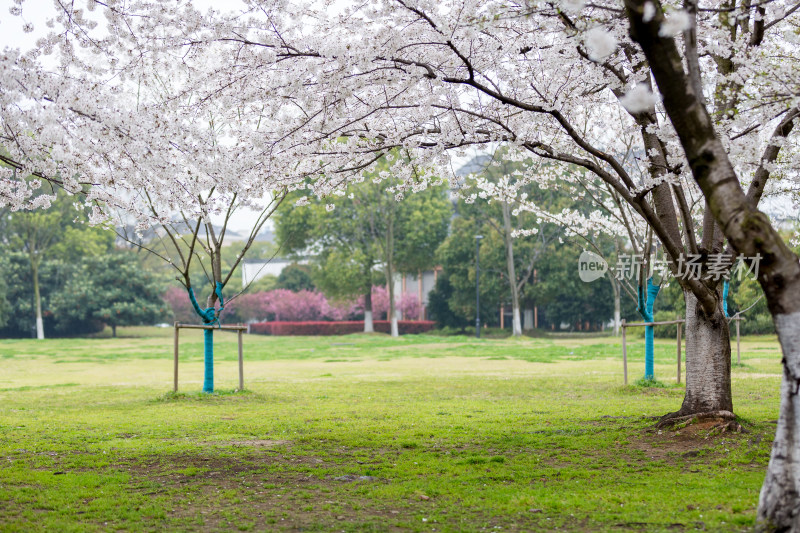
pixel 407 304
pixel 282 305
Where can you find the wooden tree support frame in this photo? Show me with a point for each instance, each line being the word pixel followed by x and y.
pixel 239 329
pixel 735 318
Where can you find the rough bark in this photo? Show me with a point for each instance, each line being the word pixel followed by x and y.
pixel 778 504
pixel 708 361
pixel 770 155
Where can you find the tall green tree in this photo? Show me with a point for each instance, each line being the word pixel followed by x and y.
pixel 561 294
pixel 349 235
pixel 295 278
pixel 112 288
pixel 34 233
pixel 58 232
pixel 507 184
pixel 340 243
pixel 457 256
pixel 54 274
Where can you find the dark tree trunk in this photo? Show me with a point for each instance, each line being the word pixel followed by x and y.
pixel 708 360
pixel 750 234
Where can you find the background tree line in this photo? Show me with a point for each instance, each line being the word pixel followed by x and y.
pixel 79 278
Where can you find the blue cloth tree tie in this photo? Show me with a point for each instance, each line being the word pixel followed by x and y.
pixel 209 316
pixel 726 285
pixel 645 309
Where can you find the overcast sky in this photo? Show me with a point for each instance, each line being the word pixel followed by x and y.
pixel 35 12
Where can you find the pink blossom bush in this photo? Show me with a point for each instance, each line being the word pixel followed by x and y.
pixel 408 305
pixel 285 305
pixel 248 307
pixel 282 305
pixel 178 300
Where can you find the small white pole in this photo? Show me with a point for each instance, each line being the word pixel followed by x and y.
pixel 624 353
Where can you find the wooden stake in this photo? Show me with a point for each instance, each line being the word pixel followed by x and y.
pixel 175 369
pixel 240 330
pixel 624 354
pixel 241 366
pixel 679 351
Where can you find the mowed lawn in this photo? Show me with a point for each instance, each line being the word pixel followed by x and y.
pixel 369 433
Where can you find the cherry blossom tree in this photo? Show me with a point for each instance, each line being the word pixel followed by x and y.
pixel 125 119
pixel 748 230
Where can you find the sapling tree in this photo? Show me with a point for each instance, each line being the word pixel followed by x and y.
pixel 457 257
pixel 186 241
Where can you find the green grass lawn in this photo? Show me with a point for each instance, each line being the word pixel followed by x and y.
pixel 369 433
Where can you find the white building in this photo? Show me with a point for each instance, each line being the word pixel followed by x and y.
pixel 254 269
pixel 421 284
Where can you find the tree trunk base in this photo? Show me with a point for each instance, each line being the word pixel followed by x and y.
pixel 708 362
pixel 725 421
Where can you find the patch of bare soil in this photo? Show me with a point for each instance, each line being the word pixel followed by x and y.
pixel 259 492
pixel 284 492
pixel 674 445
pixel 270 493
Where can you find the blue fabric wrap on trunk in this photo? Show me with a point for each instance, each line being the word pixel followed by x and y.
pixel 209 316
pixel 725 288
pixel 645 309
